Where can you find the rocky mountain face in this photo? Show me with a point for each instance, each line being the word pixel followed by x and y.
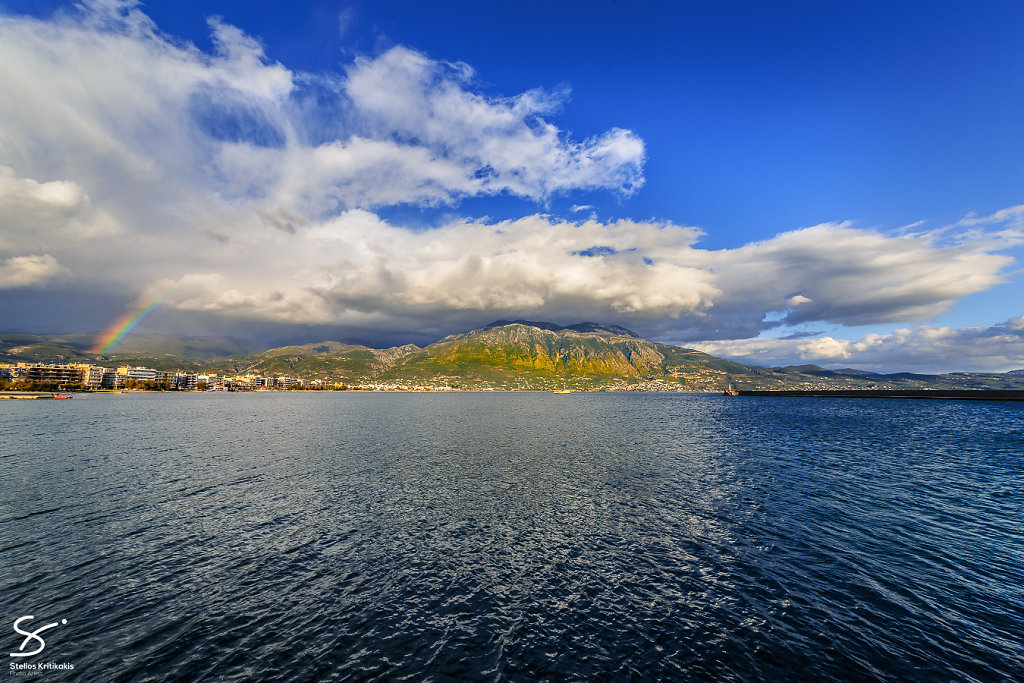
pixel 500 355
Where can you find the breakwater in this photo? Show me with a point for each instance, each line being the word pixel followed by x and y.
pixel 947 394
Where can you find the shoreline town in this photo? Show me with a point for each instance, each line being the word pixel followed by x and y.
pixel 89 377
pixel 25 377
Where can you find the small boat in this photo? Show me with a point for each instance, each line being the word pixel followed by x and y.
pixel 60 396
pixel 562 391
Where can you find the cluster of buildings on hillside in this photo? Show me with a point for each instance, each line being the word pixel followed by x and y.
pixel 98 377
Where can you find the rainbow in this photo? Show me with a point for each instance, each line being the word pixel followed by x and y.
pixel 125 324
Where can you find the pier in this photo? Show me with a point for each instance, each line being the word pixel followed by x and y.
pixel 946 394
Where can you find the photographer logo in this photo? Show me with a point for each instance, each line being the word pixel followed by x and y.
pixel 33 644
pixel 32 635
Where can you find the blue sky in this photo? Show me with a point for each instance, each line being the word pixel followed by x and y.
pixel 758 117
pixel 773 182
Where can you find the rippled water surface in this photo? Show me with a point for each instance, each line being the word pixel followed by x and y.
pixel 514 536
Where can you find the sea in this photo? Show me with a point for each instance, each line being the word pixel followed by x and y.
pixel 309 536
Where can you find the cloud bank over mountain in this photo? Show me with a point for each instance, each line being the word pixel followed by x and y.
pixel 925 349
pixel 132 163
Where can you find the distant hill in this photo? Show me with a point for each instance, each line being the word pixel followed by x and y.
pixel 506 354
pixel 62 348
pixel 184 347
pixel 159 351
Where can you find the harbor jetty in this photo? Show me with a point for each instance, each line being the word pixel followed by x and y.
pixel 946 394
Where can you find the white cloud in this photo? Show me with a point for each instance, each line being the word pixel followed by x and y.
pixel 35 214
pixel 924 349
pixel 840 274
pixel 1013 214
pixel 23 271
pixel 56 195
pixel 100 97
pixel 648 274
pixel 357 265
pixel 28 207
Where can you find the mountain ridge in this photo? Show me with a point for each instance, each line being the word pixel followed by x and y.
pixel 504 354
pixel 576 327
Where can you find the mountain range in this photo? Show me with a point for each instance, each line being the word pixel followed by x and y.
pixel 504 355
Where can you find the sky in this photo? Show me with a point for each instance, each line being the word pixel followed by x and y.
pixel 777 183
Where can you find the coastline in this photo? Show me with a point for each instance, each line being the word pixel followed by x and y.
pixel 7 394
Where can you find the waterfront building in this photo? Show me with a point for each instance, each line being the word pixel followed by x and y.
pixel 138 374
pixel 112 379
pixel 54 374
pixel 211 381
pixel 91 375
pixel 169 378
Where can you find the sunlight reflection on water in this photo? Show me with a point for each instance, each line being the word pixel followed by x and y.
pixel 502 536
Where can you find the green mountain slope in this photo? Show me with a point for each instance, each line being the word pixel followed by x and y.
pixel 334 361
pixel 517 355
